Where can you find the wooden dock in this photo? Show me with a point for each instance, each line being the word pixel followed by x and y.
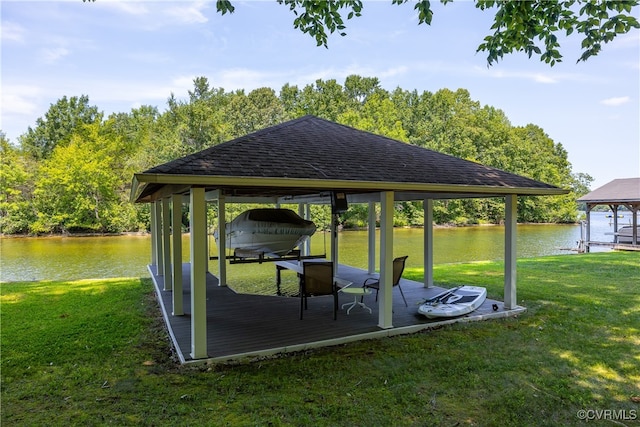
pixel 616 246
pixel 243 326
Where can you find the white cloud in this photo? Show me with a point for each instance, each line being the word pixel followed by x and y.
pixel 524 75
pixel 615 101
pixel 160 14
pixel 19 106
pixel 12 32
pixel 126 7
pixel 393 72
pixel 244 78
pixel 188 14
pixel 51 55
pixel 19 99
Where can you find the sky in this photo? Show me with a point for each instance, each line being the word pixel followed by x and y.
pixel 124 54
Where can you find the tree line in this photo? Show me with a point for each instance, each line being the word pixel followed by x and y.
pixel 72 171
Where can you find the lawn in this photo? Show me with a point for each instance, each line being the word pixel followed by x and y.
pixel 95 352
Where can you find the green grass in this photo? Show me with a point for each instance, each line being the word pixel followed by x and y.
pixel 96 353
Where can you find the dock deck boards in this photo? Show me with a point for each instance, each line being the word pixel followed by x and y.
pixel 243 325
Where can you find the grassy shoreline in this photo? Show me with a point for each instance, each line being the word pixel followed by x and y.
pixel 95 352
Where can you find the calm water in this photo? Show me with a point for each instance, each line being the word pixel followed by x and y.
pixel 72 258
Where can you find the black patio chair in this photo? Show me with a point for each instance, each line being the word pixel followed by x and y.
pixel 316 280
pixel 398 268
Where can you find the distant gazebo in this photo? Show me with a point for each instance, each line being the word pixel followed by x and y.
pixel 307 161
pixel 619 192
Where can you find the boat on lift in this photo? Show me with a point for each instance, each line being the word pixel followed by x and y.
pixel 266 231
pixel 625 234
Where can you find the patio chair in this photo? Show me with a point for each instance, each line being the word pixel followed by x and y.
pixel 398 268
pixel 317 279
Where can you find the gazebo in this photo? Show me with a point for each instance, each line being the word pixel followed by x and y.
pixel 619 192
pixel 306 161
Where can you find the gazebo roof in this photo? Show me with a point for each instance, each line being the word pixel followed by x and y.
pixel 618 191
pixel 308 156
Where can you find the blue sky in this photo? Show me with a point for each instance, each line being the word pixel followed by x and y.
pixel 126 54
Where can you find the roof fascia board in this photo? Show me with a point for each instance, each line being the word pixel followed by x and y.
pixel 239 181
pixel 608 201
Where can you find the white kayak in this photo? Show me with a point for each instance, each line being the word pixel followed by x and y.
pixel 454 302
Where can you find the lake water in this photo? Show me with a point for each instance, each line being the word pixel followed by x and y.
pixel 73 258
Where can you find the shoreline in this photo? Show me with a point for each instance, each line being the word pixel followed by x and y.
pixel 341 229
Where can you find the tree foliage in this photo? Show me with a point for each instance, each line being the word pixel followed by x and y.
pixel 84 180
pixel 58 125
pixel 518 24
pixel 532 27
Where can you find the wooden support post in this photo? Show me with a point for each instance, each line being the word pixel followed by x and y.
pixel 510 252
pixel 385 295
pixel 587 249
pixel 176 254
pixel 428 243
pixel 635 239
pixel 199 261
pixel 614 209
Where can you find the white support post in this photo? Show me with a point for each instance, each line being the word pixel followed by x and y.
pixel 510 252
pixel 176 225
pixel 428 243
pixel 198 225
pixel 222 243
pixel 385 295
pixel 304 246
pixel 157 206
pixel 307 216
pixel 166 244
pixel 154 236
pixel 371 234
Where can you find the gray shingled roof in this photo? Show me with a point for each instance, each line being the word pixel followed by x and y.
pixel 310 154
pixel 625 190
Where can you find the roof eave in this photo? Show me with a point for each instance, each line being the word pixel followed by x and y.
pixel 137 188
pixel 140 181
pixel 608 201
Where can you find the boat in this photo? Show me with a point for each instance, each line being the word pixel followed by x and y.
pixel 454 302
pixel 273 232
pixel 625 234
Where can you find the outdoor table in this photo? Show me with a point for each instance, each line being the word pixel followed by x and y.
pixel 356 292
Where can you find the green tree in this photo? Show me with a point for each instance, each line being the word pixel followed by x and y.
pixel 325 99
pixel 358 88
pixel 16 189
pixel 249 113
pixel 200 121
pixel 58 125
pixel 378 115
pixel 532 27
pixel 80 186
